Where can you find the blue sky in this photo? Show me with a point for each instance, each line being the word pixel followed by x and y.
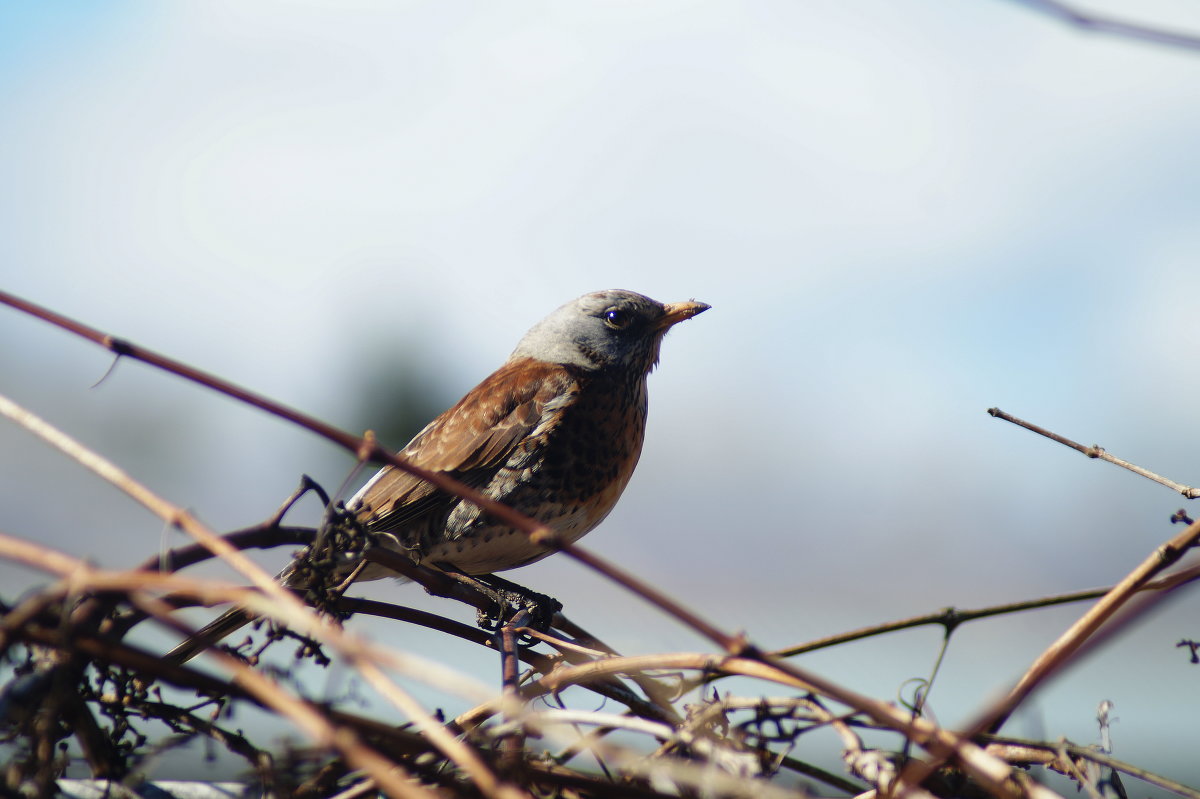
pixel 903 213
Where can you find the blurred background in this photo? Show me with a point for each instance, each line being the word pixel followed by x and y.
pixel 902 213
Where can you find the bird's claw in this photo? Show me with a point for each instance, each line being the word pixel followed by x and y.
pixel 510 600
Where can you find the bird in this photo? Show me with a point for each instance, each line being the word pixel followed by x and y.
pixel 554 433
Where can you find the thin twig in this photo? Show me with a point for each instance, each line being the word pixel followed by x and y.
pixel 610 689
pixel 1101 24
pixel 109 652
pixel 951 617
pixel 369 450
pixel 991 772
pixel 1070 643
pixel 81 578
pixel 168 512
pixel 532 721
pixel 1017 750
pixel 941 743
pixel 658 692
pixel 1098 453
pixel 366 447
pixel 260 536
pixel 733 644
pixel 310 718
pixel 397 742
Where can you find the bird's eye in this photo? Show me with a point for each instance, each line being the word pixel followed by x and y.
pixel 617 319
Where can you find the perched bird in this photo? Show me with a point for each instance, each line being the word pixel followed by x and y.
pixel 554 433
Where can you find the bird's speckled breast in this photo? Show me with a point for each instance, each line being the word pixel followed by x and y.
pixel 572 474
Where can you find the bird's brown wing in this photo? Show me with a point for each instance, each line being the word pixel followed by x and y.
pixel 470 442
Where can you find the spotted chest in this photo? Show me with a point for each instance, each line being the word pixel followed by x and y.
pixel 568 474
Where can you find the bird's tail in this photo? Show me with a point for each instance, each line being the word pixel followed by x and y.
pixel 293 577
pixel 208 635
pixel 227 623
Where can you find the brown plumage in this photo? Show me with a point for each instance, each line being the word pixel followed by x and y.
pixel 555 433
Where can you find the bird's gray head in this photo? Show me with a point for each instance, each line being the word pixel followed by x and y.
pixel 612 329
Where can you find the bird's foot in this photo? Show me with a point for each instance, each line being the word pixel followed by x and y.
pixel 510 599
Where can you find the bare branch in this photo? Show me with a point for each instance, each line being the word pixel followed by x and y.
pixel 1068 645
pixel 365 447
pixel 1097 452
pixel 727 746
pixel 1022 751
pixel 1095 23
pixel 951 618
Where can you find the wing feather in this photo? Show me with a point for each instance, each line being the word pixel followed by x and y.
pixel 471 442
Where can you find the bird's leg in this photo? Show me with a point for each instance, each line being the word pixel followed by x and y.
pixel 508 599
pixel 541 607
